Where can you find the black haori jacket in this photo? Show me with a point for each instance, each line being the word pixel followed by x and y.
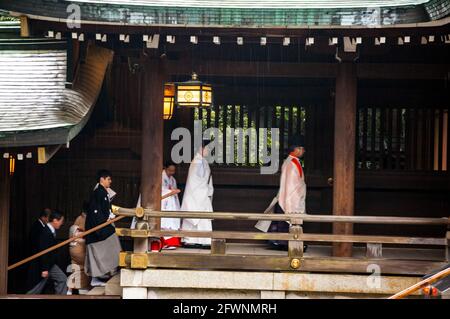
pixel 98 213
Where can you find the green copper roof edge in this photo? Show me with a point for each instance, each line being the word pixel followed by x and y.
pixel 226 17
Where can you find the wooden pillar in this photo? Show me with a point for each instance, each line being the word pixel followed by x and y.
pixel 4 226
pixel 344 153
pixel 153 78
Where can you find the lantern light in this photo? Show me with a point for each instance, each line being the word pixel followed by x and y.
pixel 193 93
pixel 12 165
pixel 169 100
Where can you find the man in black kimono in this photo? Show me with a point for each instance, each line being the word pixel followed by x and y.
pixel 102 246
pixel 44 268
pixel 36 229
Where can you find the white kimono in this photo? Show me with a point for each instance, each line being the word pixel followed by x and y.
pixel 171 203
pixel 198 197
pixel 291 194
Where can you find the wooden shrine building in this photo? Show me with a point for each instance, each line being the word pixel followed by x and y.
pixel 366 82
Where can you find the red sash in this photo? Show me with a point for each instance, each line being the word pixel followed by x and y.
pixel 298 165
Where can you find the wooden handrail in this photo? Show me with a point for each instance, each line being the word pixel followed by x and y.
pixel 39 254
pixel 410 290
pixel 90 231
pixel 288 217
pixel 284 236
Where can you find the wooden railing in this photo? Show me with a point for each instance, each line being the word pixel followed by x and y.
pixel 219 258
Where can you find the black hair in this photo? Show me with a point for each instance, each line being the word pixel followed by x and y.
pixel 45 212
pixel 55 215
pixel 169 163
pixel 103 173
pixel 85 206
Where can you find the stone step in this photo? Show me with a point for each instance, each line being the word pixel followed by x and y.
pixel 96 291
pixel 112 287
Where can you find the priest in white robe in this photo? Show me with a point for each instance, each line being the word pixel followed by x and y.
pixel 291 194
pixel 198 197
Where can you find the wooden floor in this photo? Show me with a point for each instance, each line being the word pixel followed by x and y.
pixel 321 251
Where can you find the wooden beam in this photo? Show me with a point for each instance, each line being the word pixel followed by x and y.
pixel 398 71
pixel 325 31
pixel 292 217
pixel 276 263
pixel 308 70
pixel 4 226
pixel 153 78
pixel 250 69
pixel 344 153
pixel 24 27
pixel 295 236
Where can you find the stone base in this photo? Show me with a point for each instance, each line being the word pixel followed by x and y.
pixel 204 284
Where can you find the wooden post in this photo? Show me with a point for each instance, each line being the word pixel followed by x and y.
pixel 4 226
pixel 295 247
pixel 24 27
pixel 153 78
pixel 218 246
pixel 344 153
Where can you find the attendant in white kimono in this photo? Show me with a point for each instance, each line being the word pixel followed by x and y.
pixel 291 194
pixel 198 197
pixel 170 203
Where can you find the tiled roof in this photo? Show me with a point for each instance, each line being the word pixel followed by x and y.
pixel 34 100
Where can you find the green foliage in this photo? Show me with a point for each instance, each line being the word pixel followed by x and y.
pixel 4 17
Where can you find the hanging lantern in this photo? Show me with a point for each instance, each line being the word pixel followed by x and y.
pixel 194 93
pixel 169 100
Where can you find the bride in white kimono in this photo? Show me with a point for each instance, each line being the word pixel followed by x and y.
pixel 198 197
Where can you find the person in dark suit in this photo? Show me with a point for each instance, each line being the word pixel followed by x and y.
pixel 44 268
pixel 36 229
